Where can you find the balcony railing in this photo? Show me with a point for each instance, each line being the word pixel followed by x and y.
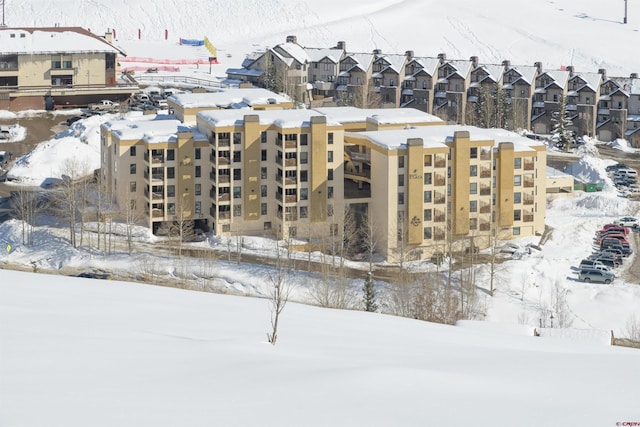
pixel 485 156
pixel 224 179
pixel 528 166
pixel 290 162
pixel 528 201
pixel 224 160
pixel 439 199
pixel 440 163
pixel 485 208
pixel 157 159
pixel 439 180
pixel 527 217
pixel 485 191
pixel 290 144
pixel 485 226
pixel 157 213
pixel 291 199
pixel 224 142
pixel 224 215
pixel 528 183
pixel 485 173
pixel 224 197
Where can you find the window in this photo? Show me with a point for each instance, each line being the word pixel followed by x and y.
pixel 330 174
pixel 427 215
pixel 237 174
pixel 517 215
pixel 448 189
pixel 428 159
pixel 198 154
pixel 263 155
pixel 330 156
pixel 427 233
pixel 304 176
pixel 237 192
pixel 237 156
pixel 400 161
pixel 263 137
pixel 401 180
pixel 473 223
pixel 516 231
pixel 198 171
pixel 304 139
pixel 330 138
pixel 132 186
pixel 132 205
pixel 473 170
pixel 171 208
pixel 171 154
pixel 304 193
pixel 237 138
pixel 132 151
pixel 237 210
pixel 267 225
pixel 263 208
pixel 473 153
pixel 517 197
pixel 304 158
pixel 329 210
pixel 517 163
pixel 263 173
pixel 428 178
pixel 132 168
pixel 226 228
pixel 263 191
pixel 171 173
pixel 198 207
pixel 401 198
pixel 329 192
pixel 171 190
pixel 427 196
pixel 198 189
pixel 293 232
pixel 304 212
pixel 517 180
pixel 473 206
pixel 473 188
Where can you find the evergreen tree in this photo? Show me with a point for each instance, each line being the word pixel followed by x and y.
pixel 562 122
pixel 369 294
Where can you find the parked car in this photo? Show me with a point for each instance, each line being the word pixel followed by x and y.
pixel 104 105
pixel 609 260
pixel 599 276
pixel 5 133
pixel 72 120
pixel 613 227
pixel 615 167
pixel 611 236
pixel 628 221
pixel 613 250
pixel 593 264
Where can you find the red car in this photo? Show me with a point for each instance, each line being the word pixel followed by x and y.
pixel 607 227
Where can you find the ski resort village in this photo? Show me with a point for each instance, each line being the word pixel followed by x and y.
pixel 204 225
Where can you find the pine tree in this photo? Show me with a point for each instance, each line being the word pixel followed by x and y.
pixel 562 122
pixel 369 294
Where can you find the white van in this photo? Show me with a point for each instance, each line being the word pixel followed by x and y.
pixel 627 174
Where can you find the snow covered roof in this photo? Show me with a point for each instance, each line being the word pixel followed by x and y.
pixel 592 80
pixel 394 61
pixel 280 118
pixel 228 98
pixel 527 72
pixel 152 131
pixel 364 59
pixel 294 51
pixel 631 86
pixel 249 72
pixel 560 77
pixel 53 40
pixel 428 64
pixel 463 67
pixel 437 136
pixel 315 54
pixel 378 115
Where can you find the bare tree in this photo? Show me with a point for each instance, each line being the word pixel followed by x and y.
pixel 26 206
pixel 561 310
pixel 279 295
pixel 367 233
pixel 130 216
pixel 67 197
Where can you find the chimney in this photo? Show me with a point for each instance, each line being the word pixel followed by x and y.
pixel 342 45
pixel 570 69
pixel 377 51
pixel 633 76
pixel 409 54
pixel 474 61
pixel 603 71
pixel 108 36
pixel 506 64
pixel 538 65
pixel 292 39
pixel 442 57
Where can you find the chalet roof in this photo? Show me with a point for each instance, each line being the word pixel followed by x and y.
pixel 590 80
pixel 492 71
pixel 315 54
pixel 463 67
pixel 46 40
pixel 364 59
pixel 560 77
pixel 527 72
pixel 428 64
pixel 395 61
pixel 631 86
pixel 293 51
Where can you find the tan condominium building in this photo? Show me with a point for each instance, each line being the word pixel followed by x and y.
pixel 436 186
pixel 299 173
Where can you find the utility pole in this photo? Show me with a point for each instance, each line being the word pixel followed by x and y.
pixel 625 12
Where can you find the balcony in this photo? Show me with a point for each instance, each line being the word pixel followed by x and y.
pixel 224 142
pixel 485 191
pixel 485 226
pixel 485 173
pixel 439 217
pixel 527 217
pixel 440 163
pixel 224 160
pixel 439 199
pixel 224 197
pixel 224 179
pixel 485 155
pixel 157 213
pixel 485 208
pixel 290 162
pixel 528 201
pixel 157 177
pixel 224 215
pixel 439 180
pixel 528 183
pixel 157 159
pixel 291 144
pixel 528 166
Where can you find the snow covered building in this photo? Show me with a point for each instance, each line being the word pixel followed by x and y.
pixel 619 109
pixel 550 88
pixel 454 78
pixel 58 66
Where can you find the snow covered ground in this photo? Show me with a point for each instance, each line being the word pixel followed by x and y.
pixel 78 352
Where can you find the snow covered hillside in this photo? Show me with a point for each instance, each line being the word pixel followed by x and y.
pixel 588 34
pixel 79 352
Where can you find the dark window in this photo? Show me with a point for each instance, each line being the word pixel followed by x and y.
pixel 237 156
pixel 237 174
pixel 303 176
pixel 330 174
pixel 171 173
pixel 198 154
pixel 263 137
pixel 171 154
pixel 198 172
pixel 330 138
pixel 303 139
pixel 263 173
pixel 171 190
pixel 198 189
pixel 132 186
pixel 237 137
pixel 132 168
pixel 474 152
pixel 132 151
pixel 263 155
